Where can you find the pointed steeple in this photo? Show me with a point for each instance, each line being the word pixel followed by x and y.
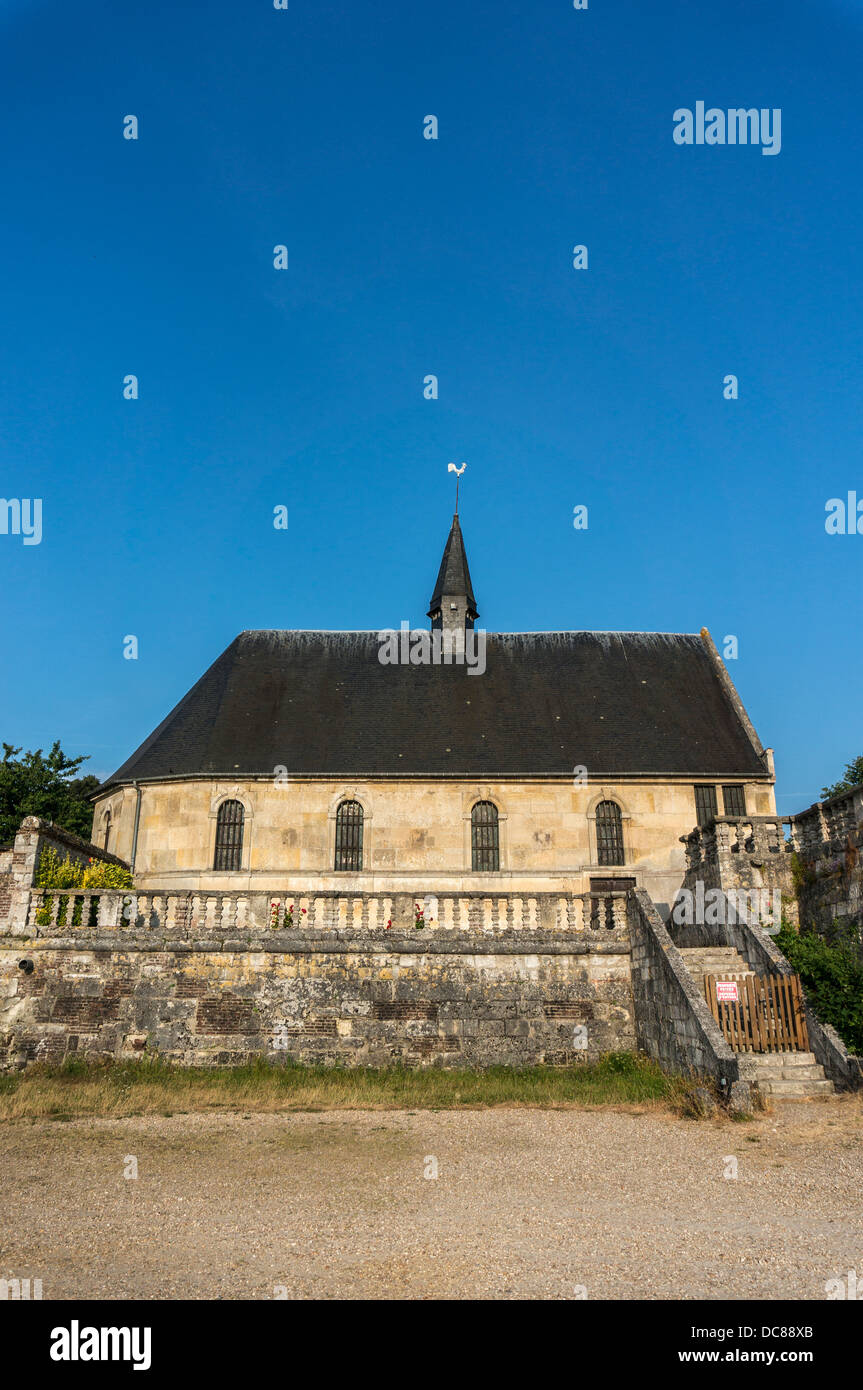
pixel 453 605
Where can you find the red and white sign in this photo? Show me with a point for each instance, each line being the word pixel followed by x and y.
pixel 726 992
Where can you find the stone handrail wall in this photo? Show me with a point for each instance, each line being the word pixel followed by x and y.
pixel 673 1022
pixel 597 917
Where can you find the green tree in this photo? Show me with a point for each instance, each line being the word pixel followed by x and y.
pixel 853 778
pixel 46 785
pixel 831 968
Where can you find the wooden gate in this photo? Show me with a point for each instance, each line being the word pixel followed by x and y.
pixel 768 1015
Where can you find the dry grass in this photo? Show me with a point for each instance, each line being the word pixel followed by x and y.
pixel 79 1088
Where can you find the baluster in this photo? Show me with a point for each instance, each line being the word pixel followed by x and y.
pixel 619 915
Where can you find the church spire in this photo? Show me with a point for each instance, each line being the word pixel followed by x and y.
pixel 453 605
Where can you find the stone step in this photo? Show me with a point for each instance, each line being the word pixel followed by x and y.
pixel 786 1075
pixel 782 1059
pixel 795 1059
pixel 774 1071
pixel 713 952
pixel 715 959
pixel 718 967
pixel 786 1089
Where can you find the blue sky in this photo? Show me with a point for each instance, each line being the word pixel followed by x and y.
pixel 304 387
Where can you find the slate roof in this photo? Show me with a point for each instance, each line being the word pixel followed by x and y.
pixel 454 576
pixel 321 702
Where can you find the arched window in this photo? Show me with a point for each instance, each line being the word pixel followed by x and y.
pixel 107 819
pixel 609 833
pixel 484 839
pixel 229 836
pixel 349 836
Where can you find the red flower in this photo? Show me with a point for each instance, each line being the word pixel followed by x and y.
pixel 304 912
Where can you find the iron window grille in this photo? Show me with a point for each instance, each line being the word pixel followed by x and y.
pixel 705 804
pixel 734 800
pixel 484 838
pixel 349 836
pixel 229 837
pixel 609 833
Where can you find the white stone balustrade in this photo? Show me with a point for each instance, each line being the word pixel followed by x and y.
pixel 223 915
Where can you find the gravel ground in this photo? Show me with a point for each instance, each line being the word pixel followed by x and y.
pixel 526 1204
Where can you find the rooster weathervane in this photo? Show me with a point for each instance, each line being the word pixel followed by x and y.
pixel 458 472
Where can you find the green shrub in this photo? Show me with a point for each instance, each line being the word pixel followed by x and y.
pixel 831 970
pixel 99 874
pixel 54 872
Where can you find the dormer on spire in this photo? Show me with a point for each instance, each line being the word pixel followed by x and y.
pixel 453 606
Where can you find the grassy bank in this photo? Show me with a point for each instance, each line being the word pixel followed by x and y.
pixel 78 1088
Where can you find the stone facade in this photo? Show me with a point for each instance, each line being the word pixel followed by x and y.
pixel 416 834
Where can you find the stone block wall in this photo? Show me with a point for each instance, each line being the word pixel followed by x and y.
pixel 828 842
pixel 462 1001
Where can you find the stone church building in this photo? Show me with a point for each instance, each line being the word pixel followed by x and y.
pixel 560 763
pixel 436 848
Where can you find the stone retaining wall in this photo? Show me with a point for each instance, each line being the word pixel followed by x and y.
pixel 461 1001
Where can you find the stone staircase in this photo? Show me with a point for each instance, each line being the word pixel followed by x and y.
pixel 720 961
pixel 785 1075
